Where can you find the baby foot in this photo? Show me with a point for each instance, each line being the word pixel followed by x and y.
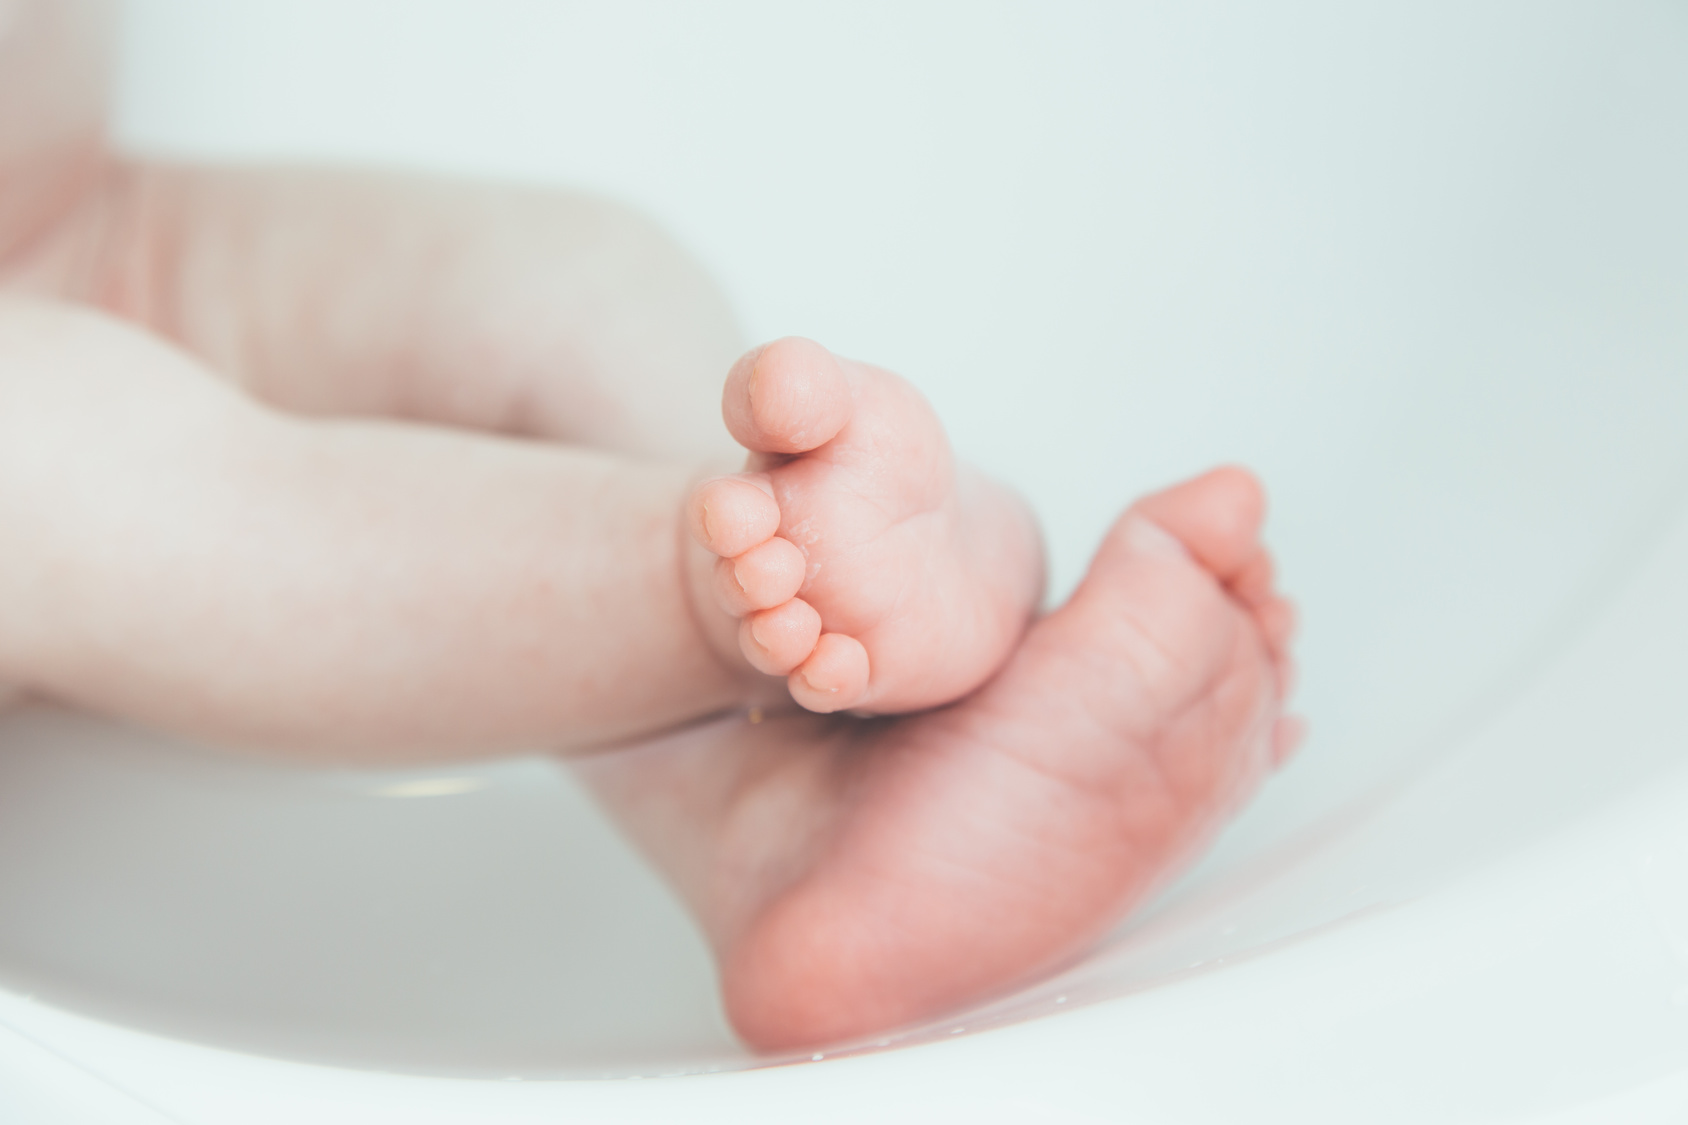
pixel 863 564
pixel 857 876
pixel 989 841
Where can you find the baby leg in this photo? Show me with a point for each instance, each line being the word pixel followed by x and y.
pixel 183 556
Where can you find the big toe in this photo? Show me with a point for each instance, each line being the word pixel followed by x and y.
pixel 1217 516
pixel 789 396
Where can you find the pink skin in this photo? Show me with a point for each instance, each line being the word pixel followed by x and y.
pixel 864 565
pixel 364 467
pixel 839 867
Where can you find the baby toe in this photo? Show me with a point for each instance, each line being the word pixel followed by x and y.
pixel 1288 733
pixel 1276 618
pixel 765 576
pixel 730 515
pixel 1216 515
pixel 1252 584
pixel 777 640
pixel 789 396
pixel 834 677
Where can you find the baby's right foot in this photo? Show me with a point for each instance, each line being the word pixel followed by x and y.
pixel 863 564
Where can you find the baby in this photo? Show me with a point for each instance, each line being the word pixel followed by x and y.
pixel 349 466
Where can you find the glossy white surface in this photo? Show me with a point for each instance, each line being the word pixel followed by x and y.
pixel 1426 270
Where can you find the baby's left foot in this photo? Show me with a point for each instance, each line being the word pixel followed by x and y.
pixel 863 564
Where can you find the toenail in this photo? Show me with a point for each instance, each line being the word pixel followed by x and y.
pixel 708 525
pixel 1151 538
pixel 756 635
pixel 813 686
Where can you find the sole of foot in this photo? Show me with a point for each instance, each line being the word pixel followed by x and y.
pixel 861 562
pixel 978 846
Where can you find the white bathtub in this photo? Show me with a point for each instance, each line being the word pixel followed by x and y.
pixel 1428 271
